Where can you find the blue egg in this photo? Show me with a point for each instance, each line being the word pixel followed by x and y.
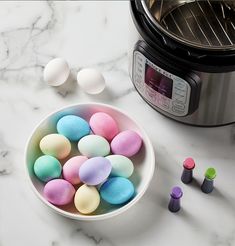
pixel 73 127
pixel 117 190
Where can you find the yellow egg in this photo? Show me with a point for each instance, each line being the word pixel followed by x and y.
pixel 55 145
pixel 86 199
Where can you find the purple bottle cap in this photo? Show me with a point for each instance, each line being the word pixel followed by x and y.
pixel 176 192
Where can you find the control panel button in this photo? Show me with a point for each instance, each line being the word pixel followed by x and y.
pixel 180 85
pixel 180 94
pixel 164 101
pixel 179 112
pixel 151 94
pixel 178 105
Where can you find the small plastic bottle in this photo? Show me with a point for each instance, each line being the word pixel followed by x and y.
pixel 174 204
pixel 208 183
pixel 187 175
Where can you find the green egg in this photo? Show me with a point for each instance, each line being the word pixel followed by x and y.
pixel 93 146
pixel 121 166
pixel 47 167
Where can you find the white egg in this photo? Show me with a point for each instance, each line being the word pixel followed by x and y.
pixel 56 72
pixel 91 80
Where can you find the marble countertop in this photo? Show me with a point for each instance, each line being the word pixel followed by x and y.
pixel 95 34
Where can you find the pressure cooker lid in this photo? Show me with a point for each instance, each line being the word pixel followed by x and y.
pixel 204 24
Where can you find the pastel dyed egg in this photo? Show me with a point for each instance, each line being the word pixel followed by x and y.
pixel 121 165
pixel 104 125
pixel 127 143
pixel 59 192
pixel 55 145
pixel 93 145
pixel 86 199
pixel 47 167
pixel 91 80
pixel 73 127
pixel 117 190
pixel 71 169
pixel 95 170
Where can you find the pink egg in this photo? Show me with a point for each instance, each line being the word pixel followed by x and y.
pixel 59 192
pixel 126 143
pixel 104 125
pixel 71 169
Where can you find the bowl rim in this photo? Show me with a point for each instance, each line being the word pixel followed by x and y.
pixel 111 214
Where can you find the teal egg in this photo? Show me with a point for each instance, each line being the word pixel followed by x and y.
pixel 47 168
pixel 93 146
pixel 117 190
pixel 121 166
pixel 73 127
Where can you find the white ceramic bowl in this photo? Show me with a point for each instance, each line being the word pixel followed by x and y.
pixel 144 161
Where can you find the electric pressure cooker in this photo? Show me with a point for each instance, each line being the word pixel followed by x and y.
pixel 183 58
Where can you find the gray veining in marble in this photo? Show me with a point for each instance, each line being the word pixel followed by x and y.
pixel 95 34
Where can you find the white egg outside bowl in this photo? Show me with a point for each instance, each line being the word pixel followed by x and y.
pixel 144 162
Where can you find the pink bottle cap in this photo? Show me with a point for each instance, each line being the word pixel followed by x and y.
pixel 189 163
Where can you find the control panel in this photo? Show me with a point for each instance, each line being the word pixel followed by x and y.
pixel 163 89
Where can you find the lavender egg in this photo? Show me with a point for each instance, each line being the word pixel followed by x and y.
pixel 59 192
pixel 95 170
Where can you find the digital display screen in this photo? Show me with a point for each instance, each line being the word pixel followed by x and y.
pixel 158 81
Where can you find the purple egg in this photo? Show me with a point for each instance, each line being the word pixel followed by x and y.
pixel 59 192
pixel 95 170
pixel 127 143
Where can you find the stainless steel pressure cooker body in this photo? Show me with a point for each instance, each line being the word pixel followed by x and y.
pixel 183 58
